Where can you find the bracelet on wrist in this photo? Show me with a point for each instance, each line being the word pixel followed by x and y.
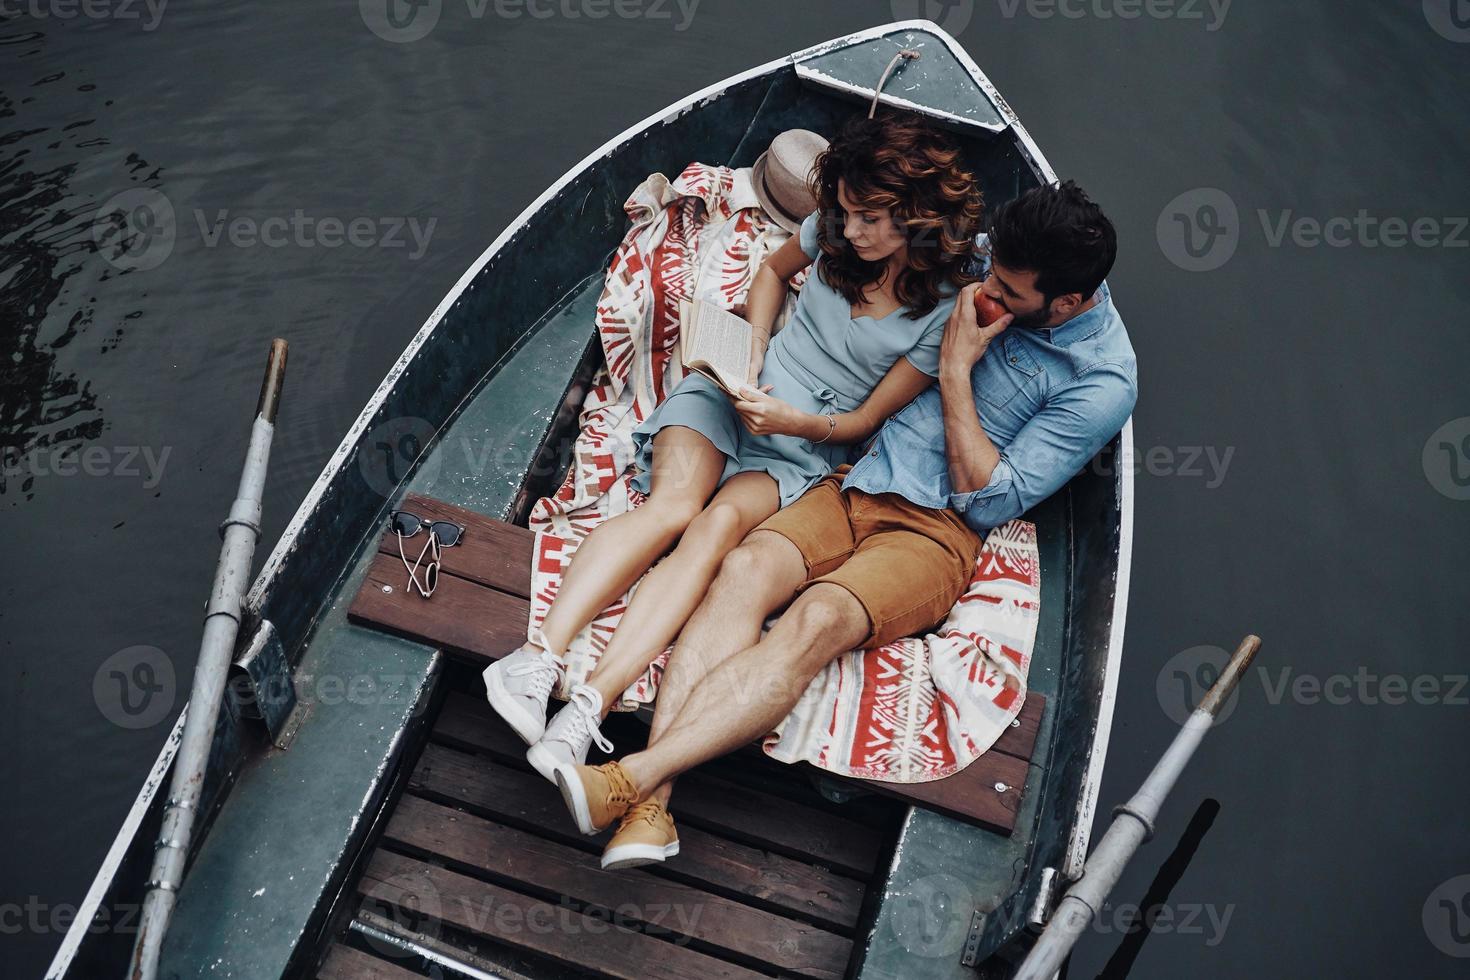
pixel 831 428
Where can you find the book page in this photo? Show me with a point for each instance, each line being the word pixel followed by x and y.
pixel 716 343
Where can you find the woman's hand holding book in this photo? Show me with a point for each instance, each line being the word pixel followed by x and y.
pixel 764 415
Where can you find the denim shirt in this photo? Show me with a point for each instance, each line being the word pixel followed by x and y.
pixel 1048 399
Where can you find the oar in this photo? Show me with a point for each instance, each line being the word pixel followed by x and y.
pixel 221 626
pixel 1133 824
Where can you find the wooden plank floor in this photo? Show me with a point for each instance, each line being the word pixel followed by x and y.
pixel 481 860
pixel 347 963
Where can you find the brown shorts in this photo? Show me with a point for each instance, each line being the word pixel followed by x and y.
pixel 906 564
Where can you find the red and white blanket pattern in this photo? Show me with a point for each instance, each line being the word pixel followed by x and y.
pixel 915 710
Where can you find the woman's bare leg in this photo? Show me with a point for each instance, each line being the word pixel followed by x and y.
pixel 669 594
pixel 686 470
pixel 754 581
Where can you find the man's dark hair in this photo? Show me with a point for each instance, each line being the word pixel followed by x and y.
pixel 1058 233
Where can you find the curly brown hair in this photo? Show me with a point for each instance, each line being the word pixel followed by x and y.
pixel 904 164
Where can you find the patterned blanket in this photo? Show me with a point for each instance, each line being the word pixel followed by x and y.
pixel 915 710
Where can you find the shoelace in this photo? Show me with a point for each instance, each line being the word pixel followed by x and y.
pixel 647 810
pixel 583 723
pixel 620 787
pixel 543 672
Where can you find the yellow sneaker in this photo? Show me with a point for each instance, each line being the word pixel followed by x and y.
pixel 645 836
pixel 595 795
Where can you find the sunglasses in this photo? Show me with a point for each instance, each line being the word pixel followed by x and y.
pixel 442 534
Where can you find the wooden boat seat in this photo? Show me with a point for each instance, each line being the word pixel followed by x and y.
pixel 481 606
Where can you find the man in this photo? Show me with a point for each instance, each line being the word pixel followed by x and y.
pixel 883 550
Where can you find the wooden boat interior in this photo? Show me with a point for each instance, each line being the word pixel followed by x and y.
pixel 385 833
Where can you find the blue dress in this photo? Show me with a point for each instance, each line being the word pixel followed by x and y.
pixel 824 361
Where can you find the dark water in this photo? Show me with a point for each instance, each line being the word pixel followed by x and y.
pixel 1300 483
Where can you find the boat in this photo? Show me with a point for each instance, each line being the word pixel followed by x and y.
pixel 336 737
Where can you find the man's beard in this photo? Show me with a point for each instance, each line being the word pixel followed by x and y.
pixel 1032 321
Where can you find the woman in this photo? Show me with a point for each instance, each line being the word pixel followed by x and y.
pixel 902 215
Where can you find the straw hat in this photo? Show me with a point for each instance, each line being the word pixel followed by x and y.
pixel 780 177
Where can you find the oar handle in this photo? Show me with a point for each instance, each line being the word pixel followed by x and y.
pixel 216 649
pixel 270 386
pixel 1220 691
pixel 1134 825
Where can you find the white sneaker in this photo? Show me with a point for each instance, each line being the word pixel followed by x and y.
pixel 570 733
pixel 518 685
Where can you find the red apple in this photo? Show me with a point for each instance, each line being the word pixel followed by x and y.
pixel 987 309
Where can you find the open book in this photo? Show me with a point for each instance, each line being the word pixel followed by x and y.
pixel 716 343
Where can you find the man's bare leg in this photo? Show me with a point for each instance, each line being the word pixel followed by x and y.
pixel 749 694
pixel 757 578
